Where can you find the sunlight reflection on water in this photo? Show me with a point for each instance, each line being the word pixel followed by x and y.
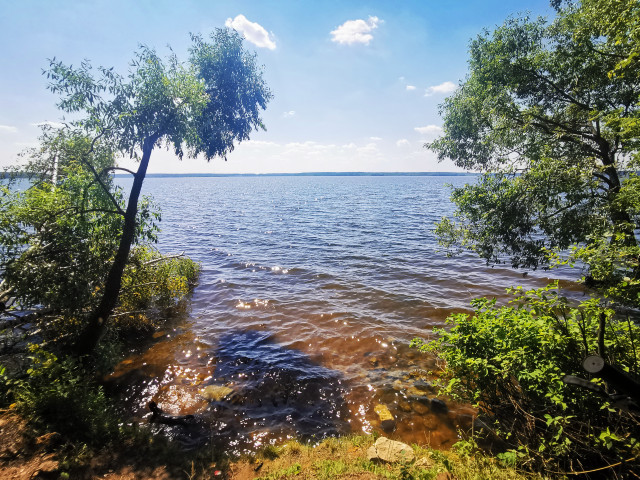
pixel 333 273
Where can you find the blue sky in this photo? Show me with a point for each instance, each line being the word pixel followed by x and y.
pixel 356 84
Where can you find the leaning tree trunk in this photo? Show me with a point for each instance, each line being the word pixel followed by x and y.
pixel 97 324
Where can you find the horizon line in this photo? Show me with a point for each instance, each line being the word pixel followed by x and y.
pixel 305 174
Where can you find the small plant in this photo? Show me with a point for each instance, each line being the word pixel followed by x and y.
pixel 328 469
pixel 270 452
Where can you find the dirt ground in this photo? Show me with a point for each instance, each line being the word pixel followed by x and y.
pixel 26 456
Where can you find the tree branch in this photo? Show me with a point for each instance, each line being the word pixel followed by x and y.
pixel 555 87
pixel 605 179
pixel 163 258
pixel 97 175
pixel 108 169
pixel 566 207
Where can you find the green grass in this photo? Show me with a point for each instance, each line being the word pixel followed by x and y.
pixel 345 457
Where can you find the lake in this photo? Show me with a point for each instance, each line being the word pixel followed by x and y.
pixel 311 289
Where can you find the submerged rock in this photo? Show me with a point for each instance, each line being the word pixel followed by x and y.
pixel 390 451
pixel 387 422
pixel 215 393
pixel 420 408
pixel 416 392
pixel 438 406
pixel 423 385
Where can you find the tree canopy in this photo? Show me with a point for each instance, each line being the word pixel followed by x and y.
pixel 548 114
pixel 203 106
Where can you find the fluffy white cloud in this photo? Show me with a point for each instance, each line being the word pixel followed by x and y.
pixel 431 130
pixel 375 139
pixel 445 87
pixel 410 87
pixel 288 114
pixel 403 142
pixel 355 31
pixel 252 31
pixel 8 129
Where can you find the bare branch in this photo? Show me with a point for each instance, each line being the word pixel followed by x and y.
pixel 96 175
pixel 163 258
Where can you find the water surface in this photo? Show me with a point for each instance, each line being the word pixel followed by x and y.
pixel 311 289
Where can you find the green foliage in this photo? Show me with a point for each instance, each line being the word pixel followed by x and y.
pixel 555 135
pixel 6 384
pixel 56 239
pixel 59 237
pixel 510 361
pixel 152 282
pixel 327 469
pixel 58 396
pixel 235 89
pixel 617 20
pixel 203 106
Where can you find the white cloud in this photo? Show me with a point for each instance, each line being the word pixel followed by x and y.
pixel 445 87
pixel 410 87
pixel 375 139
pixel 431 130
pixel 252 31
pixel 355 31
pixel 262 156
pixel 8 129
pixel 288 114
pixel 403 142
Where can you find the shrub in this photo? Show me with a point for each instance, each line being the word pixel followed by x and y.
pixel 59 396
pixel 510 362
pixel 152 283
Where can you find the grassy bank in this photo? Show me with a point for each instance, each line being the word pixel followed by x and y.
pixel 346 457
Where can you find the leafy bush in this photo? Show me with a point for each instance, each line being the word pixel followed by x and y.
pixel 59 396
pixel 510 361
pixel 152 282
pixel 58 237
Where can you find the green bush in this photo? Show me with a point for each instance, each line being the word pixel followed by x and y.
pixel 152 282
pixel 510 361
pixel 59 396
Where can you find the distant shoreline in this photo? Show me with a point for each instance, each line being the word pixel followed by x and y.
pixel 308 174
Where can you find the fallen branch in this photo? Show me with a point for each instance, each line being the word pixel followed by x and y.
pixel 158 416
pixel 163 258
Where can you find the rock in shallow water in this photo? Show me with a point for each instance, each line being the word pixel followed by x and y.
pixel 215 393
pixel 438 406
pixel 387 422
pixel 390 451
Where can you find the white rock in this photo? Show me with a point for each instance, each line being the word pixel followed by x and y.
pixel 390 451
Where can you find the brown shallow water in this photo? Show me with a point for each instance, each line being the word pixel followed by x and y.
pixel 311 290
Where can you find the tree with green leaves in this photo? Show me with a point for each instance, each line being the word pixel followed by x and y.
pixel 58 236
pixel 203 106
pixel 548 114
